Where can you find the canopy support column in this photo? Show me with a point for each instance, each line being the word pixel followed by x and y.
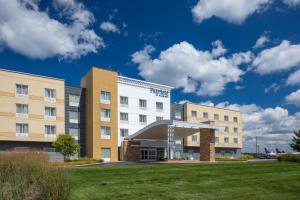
pixel 171 142
pixel 207 145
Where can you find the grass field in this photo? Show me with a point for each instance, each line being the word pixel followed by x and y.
pixel 269 180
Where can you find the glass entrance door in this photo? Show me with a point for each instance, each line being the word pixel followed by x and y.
pixel 148 154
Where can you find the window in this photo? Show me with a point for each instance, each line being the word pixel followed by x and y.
pixel 226 140
pixel 235 119
pixel 105 97
pixel 216 139
pixel 50 95
pixel 158 118
pixel 75 133
pixel 235 140
pixel 73 116
pixel 105 132
pixel 159 106
pixel 177 114
pixel 50 131
pixel 194 114
pixel 124 132
pixel 143 103
pixel 124 116
pixel 194 138
pixel 50 113
pixel 216 117
pixel 74 100
pixel 226 118
pixel 105 154
pixel 226 130
pixel 105 115
pixel 21 90
pixel 22 110
pixel 22 129
pixel 205 115
pixel 143 119
pixel 216 133
pixel 124 100
pixel 235 130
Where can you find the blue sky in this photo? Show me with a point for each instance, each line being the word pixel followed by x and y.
pixel 241 54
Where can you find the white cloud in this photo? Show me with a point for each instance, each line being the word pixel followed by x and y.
pixel 294 98
pixel 261 41
pixel 184 66
pixel 294 78
pixel 109 27
pixel 274 87
pixel 292 2
pixel 232 11
pixel 239 87
pixel 279 58
pixel 273 126
pixel 27 30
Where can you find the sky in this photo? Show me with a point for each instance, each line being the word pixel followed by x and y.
pixel 237 54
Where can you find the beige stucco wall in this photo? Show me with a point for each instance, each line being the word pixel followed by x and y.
pixel 36 106
pixel 189 107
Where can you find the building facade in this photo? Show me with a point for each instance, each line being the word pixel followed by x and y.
pixel 228 143
pixel 32 110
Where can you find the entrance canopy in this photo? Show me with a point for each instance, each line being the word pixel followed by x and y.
pixel 159 130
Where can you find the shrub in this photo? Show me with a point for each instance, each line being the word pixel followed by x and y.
pixel 28 176
pixel 241 158
pixel 289 157
pixel 80 161
pixel 66 145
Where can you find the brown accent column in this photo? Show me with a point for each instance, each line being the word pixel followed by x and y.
pixel 130 150
pixel 207 145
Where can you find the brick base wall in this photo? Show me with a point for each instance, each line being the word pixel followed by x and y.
pixel 130 150
pixel 207 143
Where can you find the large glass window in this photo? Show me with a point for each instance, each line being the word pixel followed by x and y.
pixel 105 115
pixel 21 89
pixel 177 114
pixel 73 116
pixel 124 117
pixel 75 133
pixel 22 129
pixel 143 119
pixel 50 93
pixel 143 103
pixel 159 106
pixel 124 101
pixel 105 97
pixel 105 154
pixel 194 114
pixel 74 100
pixel 194 139
pixel 124 132
pixel 50 131
pixel 105 132
pixel 205 115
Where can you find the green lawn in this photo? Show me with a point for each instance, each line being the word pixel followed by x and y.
pixel 270 180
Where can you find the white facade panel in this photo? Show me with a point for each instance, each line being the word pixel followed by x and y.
pixel 135 90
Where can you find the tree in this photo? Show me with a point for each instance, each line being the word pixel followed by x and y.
pixel 296 141
pixel 66 145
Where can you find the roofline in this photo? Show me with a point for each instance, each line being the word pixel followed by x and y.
pixel 29 74
pixel 146 82
pixel 199 104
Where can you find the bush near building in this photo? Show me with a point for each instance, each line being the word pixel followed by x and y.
pixel 289 157
pixel 242 158
pixel 28 176
pixel 66 145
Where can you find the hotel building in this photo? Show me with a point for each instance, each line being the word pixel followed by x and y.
pixel 108 112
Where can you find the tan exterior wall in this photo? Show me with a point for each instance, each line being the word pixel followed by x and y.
pixel 189 107
pixel 36 106
pixel 95 81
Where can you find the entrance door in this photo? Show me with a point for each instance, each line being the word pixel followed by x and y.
pixel 148 154
pixel 105 154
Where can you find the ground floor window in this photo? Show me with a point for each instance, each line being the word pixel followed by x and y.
pixel 105 154
pixel 148 154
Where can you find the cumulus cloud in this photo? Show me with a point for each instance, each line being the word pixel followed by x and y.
pixel 183 66
pixel 273 126
pixel 294 78
pixel 292 2
pixel 294 98
pixel 231 11
pixel 274 87
pixel 26 29
pixel 261 41
pixel 109 27
pixel 279 58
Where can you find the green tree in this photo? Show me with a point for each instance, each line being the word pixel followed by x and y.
pixel 66 145
pixel 296 141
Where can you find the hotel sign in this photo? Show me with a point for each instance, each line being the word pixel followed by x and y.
pixel 159 92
